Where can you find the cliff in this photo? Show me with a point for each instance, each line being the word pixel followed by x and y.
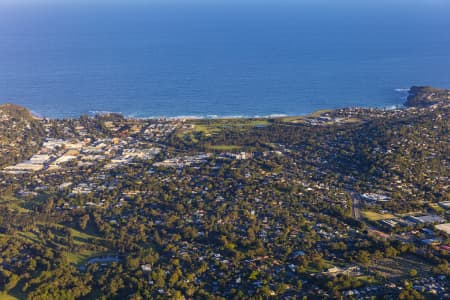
pixel 421 96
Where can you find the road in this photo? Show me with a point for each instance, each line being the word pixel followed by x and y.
pixel 356 202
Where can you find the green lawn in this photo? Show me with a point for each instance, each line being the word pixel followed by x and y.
pixel 79 238
pixel 225 147
pixel 82 235
pixel 302 119
pixel 318 113
pixel 4 296
pixel 13 203
pixel 210 127
pixel 374 216
pixel 30 236
pixel 296 119
pixel 80 257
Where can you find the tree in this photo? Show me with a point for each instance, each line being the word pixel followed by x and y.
pixel 12 282
pixel 363 257
pixel 391 252
pixel 410 294
pixel 83 221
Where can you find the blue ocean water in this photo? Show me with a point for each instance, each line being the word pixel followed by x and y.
pixel 226 59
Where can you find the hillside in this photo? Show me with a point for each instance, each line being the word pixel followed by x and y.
pixel 20 134
pixel 421 96
pixel 14 111
pixel 404 152
pixel 326 204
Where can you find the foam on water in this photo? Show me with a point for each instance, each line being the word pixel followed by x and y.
pixel 402 90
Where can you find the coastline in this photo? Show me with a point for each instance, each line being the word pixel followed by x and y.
pixel 38 115
pixel 416 96
pixel 220 117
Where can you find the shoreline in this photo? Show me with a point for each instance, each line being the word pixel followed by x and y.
pixel 402 95
pixel 215 116
pixel 417 96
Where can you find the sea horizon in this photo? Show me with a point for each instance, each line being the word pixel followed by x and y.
pixel 245 60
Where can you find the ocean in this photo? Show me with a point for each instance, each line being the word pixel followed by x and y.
pixel 219 59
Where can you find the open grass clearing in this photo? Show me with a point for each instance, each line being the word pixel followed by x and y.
pixel 80 257
pixel 374 216
pixel 224 147
pixel 13 203
pixel 4 296
pixel 399 267
pixel 208 127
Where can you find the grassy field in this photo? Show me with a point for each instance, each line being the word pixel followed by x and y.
pixel 4 296
pixel 374 216
pixel 400 267
pixel 303 119
pixel 210 127
pixel 81 239
pixel 224 147
pixel 80 257
pixel 13 203
pixel 30 236
pixel 297 119
pixel 351 120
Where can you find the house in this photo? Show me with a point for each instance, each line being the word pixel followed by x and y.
pixel 146 268
pixel 445 204
pixel 432 242
pixel 444 227
pixel 427 219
